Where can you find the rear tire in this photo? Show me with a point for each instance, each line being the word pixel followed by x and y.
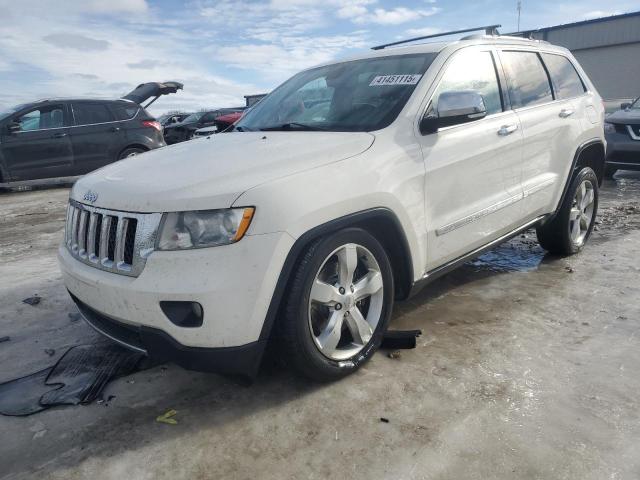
pixel 568 232
pixel 130 152
pixel 338 306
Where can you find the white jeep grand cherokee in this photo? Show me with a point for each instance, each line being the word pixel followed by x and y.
pixel 351 185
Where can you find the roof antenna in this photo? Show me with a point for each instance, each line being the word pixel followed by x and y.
pixel 519 11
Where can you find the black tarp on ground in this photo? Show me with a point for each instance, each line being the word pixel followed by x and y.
pixel 79 376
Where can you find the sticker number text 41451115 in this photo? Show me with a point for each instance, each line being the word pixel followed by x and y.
pixel 382 80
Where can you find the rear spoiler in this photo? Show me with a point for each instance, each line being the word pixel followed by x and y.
pixel 145 91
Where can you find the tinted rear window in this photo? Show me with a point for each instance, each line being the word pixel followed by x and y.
pixel 124 112
pixel 90 113
pixel 527 79
pixel 566 81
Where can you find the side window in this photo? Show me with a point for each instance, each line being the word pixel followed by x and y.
pixel 472 71
pixel 566 81
pixel 91 113
pixel 41 118
pixel 124 112
pixel 528 81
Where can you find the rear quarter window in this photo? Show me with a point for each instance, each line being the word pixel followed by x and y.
pixel 565 78
pixel 124 112
pixel 527 79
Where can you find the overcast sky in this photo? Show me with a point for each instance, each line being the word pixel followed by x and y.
pixel 223 49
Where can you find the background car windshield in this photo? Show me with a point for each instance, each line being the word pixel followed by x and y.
pixel 636 105
pixel 194 117
pixel 361 95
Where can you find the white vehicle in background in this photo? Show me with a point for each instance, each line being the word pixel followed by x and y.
pixel 205 132
pixel 351 185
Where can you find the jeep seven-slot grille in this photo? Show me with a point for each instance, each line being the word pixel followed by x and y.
pixel 110 240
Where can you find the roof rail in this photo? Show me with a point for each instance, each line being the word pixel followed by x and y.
pixel 489 30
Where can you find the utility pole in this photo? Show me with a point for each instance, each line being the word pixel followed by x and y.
pixel 519 10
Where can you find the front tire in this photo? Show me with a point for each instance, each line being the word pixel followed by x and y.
pixel 338 306
pixel 568 232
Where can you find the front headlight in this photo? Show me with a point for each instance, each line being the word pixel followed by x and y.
pixel 203 228
pixel 609 127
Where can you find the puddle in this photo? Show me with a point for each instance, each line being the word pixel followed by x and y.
pixel 521 254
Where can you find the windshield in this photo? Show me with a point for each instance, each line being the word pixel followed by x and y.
pixel 194 117
pixel 9 111
pixel 359 96
pixel 636 104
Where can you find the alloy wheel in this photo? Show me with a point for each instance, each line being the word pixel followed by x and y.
pixel 581 214
pixel 345 302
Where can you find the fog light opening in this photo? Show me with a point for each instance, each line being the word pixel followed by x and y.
pixel 183 314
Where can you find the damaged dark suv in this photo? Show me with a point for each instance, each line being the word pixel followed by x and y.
pixel 70 137
pixel 622 130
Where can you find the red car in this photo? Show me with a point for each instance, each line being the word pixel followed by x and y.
pixel 223 122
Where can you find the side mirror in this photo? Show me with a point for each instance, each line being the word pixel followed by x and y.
pixel 454 108
pixel 625 105
pixel 14 127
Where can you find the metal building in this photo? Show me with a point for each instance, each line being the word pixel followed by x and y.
pixel 607 48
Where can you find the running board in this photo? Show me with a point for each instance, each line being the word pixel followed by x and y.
pixel 438 272
pixel 42 182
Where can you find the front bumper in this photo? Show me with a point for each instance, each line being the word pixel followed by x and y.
pixel 242 360
pixel 233 283
pixel 622 151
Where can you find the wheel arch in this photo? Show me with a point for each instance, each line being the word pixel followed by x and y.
pixel 590 154
pixel 381 222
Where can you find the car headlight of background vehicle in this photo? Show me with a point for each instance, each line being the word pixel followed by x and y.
pixel 203 228
pixel 609 127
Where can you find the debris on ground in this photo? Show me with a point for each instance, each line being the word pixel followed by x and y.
pixel 404 339
pixel 384 420
pixel 78 377
pixel 50 351
pixel 32 300
pixel 74 316
pixel 167 417
pixel 569 269
pixel 394 355
pixel 5 338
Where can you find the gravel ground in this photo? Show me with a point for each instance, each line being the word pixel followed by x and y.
pixel 526 369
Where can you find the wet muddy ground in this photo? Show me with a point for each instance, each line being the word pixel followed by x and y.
pixel 527 368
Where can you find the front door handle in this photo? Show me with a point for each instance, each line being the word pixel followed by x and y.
pixel 566 112
pixel 115 129
pixel 507 130
pixel 59 135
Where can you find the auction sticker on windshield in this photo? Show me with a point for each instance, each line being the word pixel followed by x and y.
pixel 381 80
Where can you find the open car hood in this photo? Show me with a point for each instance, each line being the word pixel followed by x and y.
pixel 145 91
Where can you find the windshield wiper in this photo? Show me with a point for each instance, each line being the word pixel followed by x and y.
pixel 292 126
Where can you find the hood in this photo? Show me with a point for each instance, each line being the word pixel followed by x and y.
pixel 626 117
pixel 145 91
pixel 211 173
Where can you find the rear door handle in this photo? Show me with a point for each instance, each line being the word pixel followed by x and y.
pixel 115 129
pixel 566 112
pixel 59 135
pixel 507 130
